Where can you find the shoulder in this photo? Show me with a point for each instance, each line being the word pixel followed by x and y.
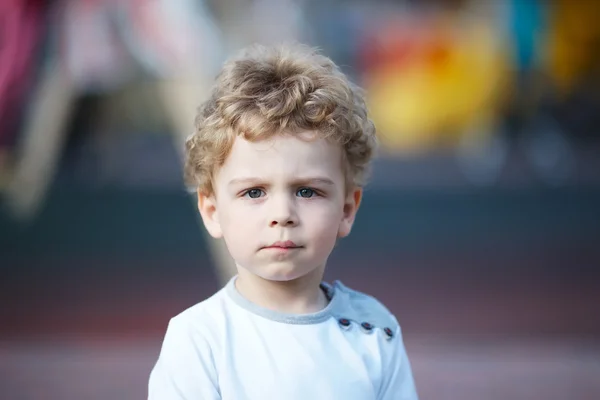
pixel 202 320
pixel 363 308
pixel 186 364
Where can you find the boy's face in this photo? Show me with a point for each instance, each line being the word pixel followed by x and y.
pixel 280 204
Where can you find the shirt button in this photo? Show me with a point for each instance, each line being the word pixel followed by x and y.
pixel 344 323
pixel 388 333
pixel 366 327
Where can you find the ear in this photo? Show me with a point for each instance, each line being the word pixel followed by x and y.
pixel 351 205
pixel 207 206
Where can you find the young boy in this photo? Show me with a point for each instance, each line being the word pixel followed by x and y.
pixel 278 158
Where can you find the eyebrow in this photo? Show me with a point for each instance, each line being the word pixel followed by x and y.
pixel 298 181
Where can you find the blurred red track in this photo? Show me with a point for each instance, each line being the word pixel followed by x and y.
pixel 471 333
pixel 466 369
pixel 93 301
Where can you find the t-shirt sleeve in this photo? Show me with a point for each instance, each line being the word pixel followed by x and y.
pixel 185 368
pixel 398 382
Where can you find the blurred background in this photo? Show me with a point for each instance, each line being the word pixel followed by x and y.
pixel 480 228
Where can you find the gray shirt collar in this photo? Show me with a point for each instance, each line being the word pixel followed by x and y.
pixel 296 319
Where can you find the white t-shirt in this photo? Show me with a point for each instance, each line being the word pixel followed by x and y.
pixel 229 348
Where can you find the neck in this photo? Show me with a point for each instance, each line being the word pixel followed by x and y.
pixel 299 296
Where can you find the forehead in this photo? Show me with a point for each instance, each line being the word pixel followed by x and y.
pixel 283 156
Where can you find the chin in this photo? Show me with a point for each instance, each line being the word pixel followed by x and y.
pixel 282 272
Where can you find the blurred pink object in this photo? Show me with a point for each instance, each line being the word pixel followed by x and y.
pixel 20 30
pixel 105 42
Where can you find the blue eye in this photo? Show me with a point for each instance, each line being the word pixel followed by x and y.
pixel 305 192
pixel 254 193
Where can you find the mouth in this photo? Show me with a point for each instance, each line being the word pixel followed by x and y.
pixel 283 246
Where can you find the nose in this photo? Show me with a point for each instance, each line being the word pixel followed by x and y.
pixel 283 212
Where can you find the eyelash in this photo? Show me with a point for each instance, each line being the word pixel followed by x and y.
pixel 246 193
pixel 315 193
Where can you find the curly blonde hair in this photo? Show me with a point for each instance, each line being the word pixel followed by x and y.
pixel 269 90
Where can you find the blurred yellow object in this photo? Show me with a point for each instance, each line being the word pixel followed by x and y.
pixel 574 40
pixel 439 91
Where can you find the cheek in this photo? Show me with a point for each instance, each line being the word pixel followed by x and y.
pixel 323 222
pixel 237 212
pixel 239 222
